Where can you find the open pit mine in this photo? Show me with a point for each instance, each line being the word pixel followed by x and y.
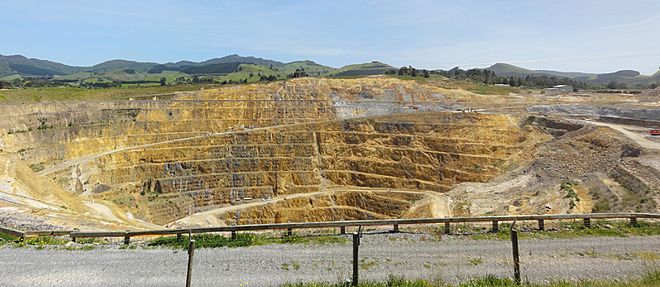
pixel 323 149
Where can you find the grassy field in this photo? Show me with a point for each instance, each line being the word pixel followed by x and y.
pixel 133 90
pixel 121 76
pixel 651 279
pixel 477 88
pixel 70 93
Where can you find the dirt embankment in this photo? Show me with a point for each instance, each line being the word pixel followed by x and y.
pixel 588 169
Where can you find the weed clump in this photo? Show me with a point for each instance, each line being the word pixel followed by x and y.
pixel 570 194
pixel 651 279
pixel 242 240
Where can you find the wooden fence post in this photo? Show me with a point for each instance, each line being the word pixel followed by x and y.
pixel 342 230
pixel 496 227
pixel 356 243
pixel 541 224
pixel 127 239
pixel 396 228
pixel 516 256
pixel 233 235
pixel 191 252
pixel 587 222
pixel 289 231
pixel 447 228
pixel 633 221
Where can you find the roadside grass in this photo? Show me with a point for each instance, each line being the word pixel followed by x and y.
pixel 7 239
pixel 85 247
pixel 41 242
pixel 243 240
pixel 49 242
pixel 575 229
pixel 651 279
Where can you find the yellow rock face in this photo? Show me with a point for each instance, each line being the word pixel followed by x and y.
pixel 301 150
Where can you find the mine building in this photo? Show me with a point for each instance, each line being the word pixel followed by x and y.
pixel 559 89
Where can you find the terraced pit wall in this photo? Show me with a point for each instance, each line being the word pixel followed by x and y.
pixel 163 160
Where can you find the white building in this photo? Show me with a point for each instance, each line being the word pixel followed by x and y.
pixel 559 89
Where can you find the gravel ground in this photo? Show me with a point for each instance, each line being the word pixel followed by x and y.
pixel 411 255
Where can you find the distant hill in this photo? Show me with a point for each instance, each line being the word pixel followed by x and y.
pixel 121 65
pixel 232 63
pixel 310 67
pixel 604 78
pixel 656 77
pixel 246 60
pixel 250 69
pixel 21 65
pixel 231 68
pixel 215 65
pixel 507 70
pixel 629 77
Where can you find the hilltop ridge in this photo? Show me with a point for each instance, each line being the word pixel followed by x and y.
pixel 231 68
pixel 623 76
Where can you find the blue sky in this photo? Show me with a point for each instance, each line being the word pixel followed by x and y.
pixel 590 36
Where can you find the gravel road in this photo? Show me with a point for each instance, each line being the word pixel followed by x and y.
pixel 381 255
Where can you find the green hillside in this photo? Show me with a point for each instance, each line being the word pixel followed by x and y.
pixel 21 71
pixel 312 68
pixel 32 67
pixel 240 59
pixel 251 73
pixel 364 69
pixel 506 70
pixel 121 65
pixel 656 77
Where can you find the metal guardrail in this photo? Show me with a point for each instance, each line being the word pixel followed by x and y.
pixel 12 232
pixel 333 224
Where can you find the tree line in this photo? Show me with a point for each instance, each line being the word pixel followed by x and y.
pixel 409 71
pixel 489 77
